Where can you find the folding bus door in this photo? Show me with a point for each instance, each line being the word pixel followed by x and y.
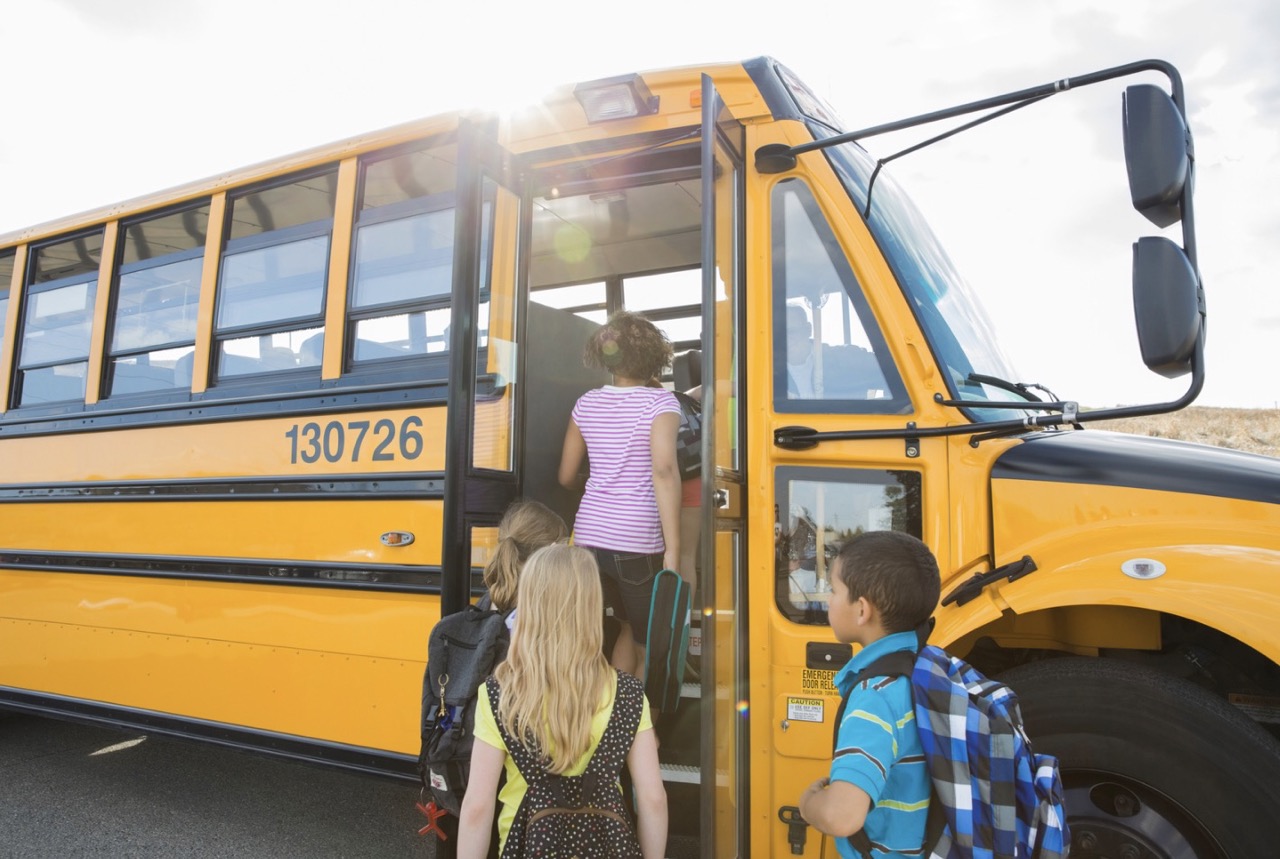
pixel 481 450
pixel 724 774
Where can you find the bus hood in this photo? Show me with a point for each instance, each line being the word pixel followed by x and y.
pixel 1101 458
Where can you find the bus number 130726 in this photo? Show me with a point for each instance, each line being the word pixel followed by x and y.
pixel 337 441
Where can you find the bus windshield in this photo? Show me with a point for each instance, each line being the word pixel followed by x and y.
pixel 960 333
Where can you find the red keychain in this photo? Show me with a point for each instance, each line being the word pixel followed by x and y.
pixel 433 814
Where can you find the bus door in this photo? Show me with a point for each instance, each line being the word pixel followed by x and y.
pixel 835 367
pixel 724 749
pixel 481 477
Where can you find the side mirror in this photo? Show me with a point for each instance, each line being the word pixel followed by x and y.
pixel 1166 306
pixel 1157 150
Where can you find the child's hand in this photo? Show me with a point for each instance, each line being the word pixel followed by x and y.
pixel 815 788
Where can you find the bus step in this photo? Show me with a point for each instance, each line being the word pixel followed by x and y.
pixel 680 774
pixel 683 847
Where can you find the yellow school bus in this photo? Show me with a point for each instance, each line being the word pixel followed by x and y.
pixel 256 433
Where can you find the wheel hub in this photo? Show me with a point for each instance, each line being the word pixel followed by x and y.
pixel 1113 820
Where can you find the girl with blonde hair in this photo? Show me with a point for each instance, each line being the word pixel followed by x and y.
pixel 526 527
pixel 557 694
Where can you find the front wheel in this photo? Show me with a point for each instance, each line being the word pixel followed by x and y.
pixel 1154 767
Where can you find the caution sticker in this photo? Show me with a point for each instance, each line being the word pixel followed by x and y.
pixel 804 709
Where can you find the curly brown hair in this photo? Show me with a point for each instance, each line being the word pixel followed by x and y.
pixel 628 345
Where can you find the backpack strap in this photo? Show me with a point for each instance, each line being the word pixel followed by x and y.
pixel 620 732
pixel 899 663
pixel 530 768
pixel 485 603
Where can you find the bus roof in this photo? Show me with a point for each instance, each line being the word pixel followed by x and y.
pixel 557 121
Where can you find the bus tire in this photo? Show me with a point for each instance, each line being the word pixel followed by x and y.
pixel 1153 765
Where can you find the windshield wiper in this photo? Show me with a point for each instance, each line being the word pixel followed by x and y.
pixel 1022 389
pixel 1069 408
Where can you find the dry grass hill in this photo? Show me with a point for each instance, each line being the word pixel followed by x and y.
pixel 1251 430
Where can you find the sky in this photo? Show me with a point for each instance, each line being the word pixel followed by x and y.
pixel 109 101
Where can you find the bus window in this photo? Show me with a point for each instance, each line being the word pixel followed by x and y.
pixel 402 270
pixel 157 291
pixel 817 510
pixel 53 349
pixel 270 315
pixel 583 299
pixel 672 301
pixel 830 354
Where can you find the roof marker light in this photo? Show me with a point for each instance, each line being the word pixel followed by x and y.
pixel 623 97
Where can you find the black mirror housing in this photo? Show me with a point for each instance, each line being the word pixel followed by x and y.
pixel 1166 306
pixel 1157 153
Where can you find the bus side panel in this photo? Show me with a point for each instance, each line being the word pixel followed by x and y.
pixel 1082 535
pixel 335 664
pixel 300 447
pixel 225 572
pixel 329 530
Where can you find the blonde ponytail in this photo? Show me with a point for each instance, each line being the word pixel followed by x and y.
pixel 526 527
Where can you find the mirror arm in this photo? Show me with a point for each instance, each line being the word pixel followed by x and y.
pixel 1026 95
pixel 1197 382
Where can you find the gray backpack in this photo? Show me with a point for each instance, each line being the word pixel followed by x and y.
pixel 462 652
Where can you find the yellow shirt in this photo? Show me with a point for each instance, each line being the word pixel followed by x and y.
pixel 514 790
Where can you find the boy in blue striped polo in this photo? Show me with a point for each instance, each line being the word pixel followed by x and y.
pixel 884 584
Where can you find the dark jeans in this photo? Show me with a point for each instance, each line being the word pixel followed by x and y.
pixel 627 581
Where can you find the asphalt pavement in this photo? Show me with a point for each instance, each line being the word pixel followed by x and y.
pixel 69 790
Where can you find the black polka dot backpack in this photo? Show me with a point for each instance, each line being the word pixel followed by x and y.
pixel 580 816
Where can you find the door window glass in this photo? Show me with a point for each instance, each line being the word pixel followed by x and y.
pixel 830 353
pixel 817 510
pixel 496 323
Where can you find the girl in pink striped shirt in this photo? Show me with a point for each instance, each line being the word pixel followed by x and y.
pixel 630 511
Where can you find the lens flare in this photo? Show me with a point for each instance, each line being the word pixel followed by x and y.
pixel 572 244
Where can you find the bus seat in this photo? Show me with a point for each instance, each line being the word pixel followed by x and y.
pixel 311 352
pixel 48 387
pixel 278 358
pixel 686 370
pixel 372 350
pixel 232 366
pixel 137 378
pixel 182 370
pixel 852 372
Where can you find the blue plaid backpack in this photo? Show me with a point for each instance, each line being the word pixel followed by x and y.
pixel 993 797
